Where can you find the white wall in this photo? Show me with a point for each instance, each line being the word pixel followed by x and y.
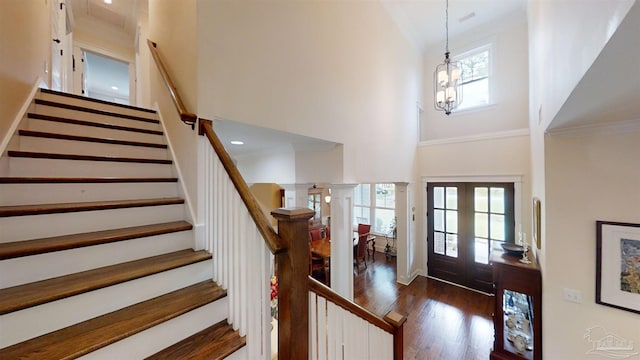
pixel 25 53
pixel 172 26
pixel 508 80
pixel 507 156
pixel 589 177
pixel 274 166
pixel 319 166
pixel 565 39
pixel 339 71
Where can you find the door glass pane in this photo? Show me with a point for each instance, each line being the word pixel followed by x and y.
pixel 452 221
pixel 481 250
pixel 481 200
pixel 497 227
pixel 482 225
pixel 438 197
pixel 438 243
pixel 452 245
pixel 452 198
pixel 497 200
pixel 438 220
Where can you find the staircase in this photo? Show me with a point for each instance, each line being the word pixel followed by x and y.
pixel 96 250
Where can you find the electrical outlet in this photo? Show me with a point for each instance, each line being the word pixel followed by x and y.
pixel 573 295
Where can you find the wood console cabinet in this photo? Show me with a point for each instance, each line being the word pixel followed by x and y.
pixel 517 319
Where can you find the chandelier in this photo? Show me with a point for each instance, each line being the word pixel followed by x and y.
pixel 446 80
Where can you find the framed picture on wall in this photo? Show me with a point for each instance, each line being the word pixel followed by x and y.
pixel 618 265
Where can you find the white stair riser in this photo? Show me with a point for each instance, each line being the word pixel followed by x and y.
pixel 59 146
pixel 93 105
pixel 86 168
pixel 17 228
pixel 91 131
pixel 23 270
pixel 87 116
pixel 154 339
pixel 240 354
pixel 31 194
pixel 38 320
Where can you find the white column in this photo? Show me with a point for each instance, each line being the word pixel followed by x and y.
pixel 342 239
pixel 296 195
pixel 402 226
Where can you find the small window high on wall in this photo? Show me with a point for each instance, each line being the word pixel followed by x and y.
pixel 375 204
pixel 476 77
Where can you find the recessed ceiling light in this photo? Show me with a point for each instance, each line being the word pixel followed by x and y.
pixel 108 1
pixel 237 142
pixel 114 87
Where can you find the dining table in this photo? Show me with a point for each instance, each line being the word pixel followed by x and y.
pixel 321 248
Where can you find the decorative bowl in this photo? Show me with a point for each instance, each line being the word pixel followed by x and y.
pixel 512 249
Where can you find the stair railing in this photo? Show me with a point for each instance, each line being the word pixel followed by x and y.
pixel 340 328
pixel 242 242
pixel 186 116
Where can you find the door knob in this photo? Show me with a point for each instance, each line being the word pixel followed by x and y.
pixel 57 41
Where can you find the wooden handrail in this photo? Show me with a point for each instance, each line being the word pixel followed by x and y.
pixel 330 295
pixel 274 242
pixel 187 117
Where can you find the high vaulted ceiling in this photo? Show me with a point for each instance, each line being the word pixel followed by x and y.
pixel 423 21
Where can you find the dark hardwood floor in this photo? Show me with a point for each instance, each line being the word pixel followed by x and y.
pixel 444 322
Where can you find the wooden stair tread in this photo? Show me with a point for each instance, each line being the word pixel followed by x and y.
pixel 84 98
pixel 49 135
pixel 44 155
pixel 90 335
pixel 39 209
pixel 40 246
pixel 75 180
pixel 215 342
pixel 93 124
pixel 23 296
pixel 94 111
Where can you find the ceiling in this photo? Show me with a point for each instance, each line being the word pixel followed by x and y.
pixel 423 21
pixel 603 95
pixel 258 139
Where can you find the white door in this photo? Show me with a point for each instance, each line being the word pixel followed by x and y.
pixel 58 36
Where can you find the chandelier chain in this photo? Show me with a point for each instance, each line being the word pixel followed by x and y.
pixel 446 25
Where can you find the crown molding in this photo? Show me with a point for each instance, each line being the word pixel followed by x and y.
pixel 617 127
pixel 476 137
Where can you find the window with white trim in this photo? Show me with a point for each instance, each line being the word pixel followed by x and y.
pixel 375 202
pixel 476 76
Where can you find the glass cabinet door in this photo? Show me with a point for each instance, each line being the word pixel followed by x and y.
pixel 518 316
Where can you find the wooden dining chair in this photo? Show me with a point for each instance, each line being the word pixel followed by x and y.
pixel 360 252
pixel 360 249
pixel 318 264
pixel 315 234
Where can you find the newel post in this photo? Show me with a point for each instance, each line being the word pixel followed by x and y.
pixel 397 321
pixel 293 292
